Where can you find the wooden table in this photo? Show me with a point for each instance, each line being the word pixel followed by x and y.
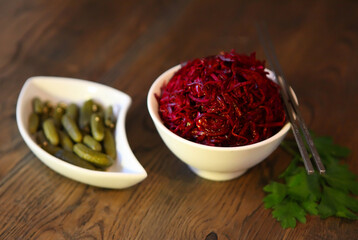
pixel 126 45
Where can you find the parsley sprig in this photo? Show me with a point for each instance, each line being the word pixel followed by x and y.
pixel 299 194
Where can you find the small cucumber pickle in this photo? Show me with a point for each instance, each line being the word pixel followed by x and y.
pixel 78 134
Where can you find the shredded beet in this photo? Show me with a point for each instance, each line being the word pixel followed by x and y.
pixel 225 100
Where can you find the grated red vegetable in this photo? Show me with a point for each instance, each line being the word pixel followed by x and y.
pixel 224 100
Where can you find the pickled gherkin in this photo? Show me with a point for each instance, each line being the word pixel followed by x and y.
pixel 72 111
pixel 71 128
pixel 85 115
pixel 51 149
pixel 57 114
pixel 42 141
pixel 51 131
pixel 97 127
pixel 92 143
pixel 34 122
pixel 109 144
pixel 109 120
pixel 72 158
pixel 47 110
pixel 79 134
pixel 65 141
pixel 37 105
pixel 97 158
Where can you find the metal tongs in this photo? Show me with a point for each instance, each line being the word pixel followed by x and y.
pixel 291 106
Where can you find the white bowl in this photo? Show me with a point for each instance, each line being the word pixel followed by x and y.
pixel 125 172
pixel 213 163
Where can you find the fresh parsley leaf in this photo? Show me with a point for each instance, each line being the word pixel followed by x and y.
pixel 288 212
pixel 331 194
pixel 278 193
pixel 338 176
pixel 310 207
pixel 325 146
pixel 326 207
pixel 303 187
pixel 337 203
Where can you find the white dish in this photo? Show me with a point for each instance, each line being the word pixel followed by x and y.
pixel 125 172
pixel 212 163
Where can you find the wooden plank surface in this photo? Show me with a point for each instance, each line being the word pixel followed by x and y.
pixel 126 45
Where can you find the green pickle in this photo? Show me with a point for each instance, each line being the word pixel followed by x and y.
pixel 50 131
pixel 97 127
pixel 85 115
pixel 34 122
pixel 46 111
pixel 71 128
pixel 57 115
pixel 65 141
pixel 92 143
pixel 97 158
pixel 109 120
pixel 72 111
pixel 72 158
pixel 51 149
pixel 80 135
pixel 109 144
pixel 42 141
pixel 37 105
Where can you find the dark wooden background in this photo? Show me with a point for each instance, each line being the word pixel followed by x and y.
pixel 126 45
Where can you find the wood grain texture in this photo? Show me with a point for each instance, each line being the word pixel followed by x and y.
pixel 126 45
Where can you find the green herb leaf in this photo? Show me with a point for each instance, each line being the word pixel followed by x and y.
pixel 338 176
pixel 310 207
pixel 288 212
pixel 302 187
pixel 325 146
pixel 278 193
pixel 337 203
pixel 324 195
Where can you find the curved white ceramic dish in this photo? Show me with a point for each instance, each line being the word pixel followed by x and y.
pixel 125 172
pixel 213 163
